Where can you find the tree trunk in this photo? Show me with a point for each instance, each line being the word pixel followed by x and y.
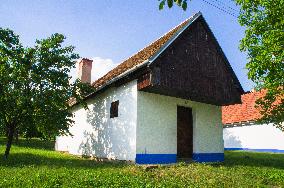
pixel 16 136
pixel 11 131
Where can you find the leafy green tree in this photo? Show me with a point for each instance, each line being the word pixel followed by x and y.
pixel 34 86
pixel 170 3
pixel 264 44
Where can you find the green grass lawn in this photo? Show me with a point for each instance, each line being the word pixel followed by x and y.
pixel 35 164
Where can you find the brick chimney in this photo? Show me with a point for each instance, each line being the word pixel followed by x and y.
pixel 84 70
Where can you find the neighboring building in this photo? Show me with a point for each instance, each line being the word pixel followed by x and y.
pixel 241 132
pixel 160 105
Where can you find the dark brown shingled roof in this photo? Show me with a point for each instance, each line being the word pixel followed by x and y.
pixel 142 55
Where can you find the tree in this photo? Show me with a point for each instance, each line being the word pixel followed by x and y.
pixel 34 86
pixel 170 3
pixel 264 44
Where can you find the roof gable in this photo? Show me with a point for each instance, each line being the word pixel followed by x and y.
pixel 193 66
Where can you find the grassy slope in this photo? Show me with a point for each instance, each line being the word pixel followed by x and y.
pixel 34 164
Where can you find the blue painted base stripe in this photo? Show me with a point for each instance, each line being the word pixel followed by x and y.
pixel 257 150
pixel 208 157
pixel 155 158
pixel 172 158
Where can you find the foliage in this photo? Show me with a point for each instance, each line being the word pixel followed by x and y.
pixel 33 164
pixel 34 86
pixel 170 3
pixel 264 44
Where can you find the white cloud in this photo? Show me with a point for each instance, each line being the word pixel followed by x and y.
pixel 100 67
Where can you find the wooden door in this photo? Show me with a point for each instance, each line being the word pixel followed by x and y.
pixel 184 132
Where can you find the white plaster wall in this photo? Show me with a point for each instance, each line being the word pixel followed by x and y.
pixel 254 137
pixel 157 125
pixel 95 133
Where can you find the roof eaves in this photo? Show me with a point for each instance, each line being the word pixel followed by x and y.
pixel 239 124
pixel 119 77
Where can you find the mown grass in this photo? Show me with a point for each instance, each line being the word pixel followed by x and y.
pixel 34 164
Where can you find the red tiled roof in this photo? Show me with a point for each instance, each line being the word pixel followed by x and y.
pixel 243 112
pixel 142 55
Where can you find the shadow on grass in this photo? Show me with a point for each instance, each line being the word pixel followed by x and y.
pixel 252 159
pixel 29 159
pixel 31 143
pixel 50 159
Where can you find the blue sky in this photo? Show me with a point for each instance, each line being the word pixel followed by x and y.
pixel 112 30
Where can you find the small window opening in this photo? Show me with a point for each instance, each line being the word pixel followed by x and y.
pixel 114 109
